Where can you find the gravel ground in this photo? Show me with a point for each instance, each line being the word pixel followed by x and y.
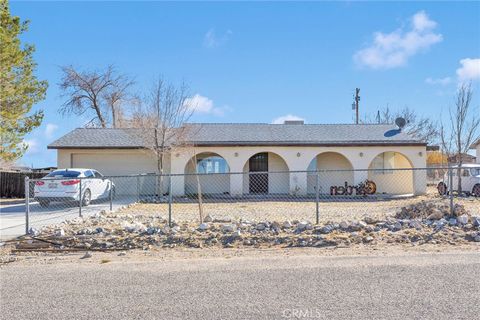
pixel 334 211
pixel 264 285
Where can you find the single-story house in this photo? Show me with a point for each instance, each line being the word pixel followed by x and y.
pixel 465 157
pixel 289 152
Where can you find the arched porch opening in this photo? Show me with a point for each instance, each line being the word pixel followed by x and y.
pixel 209 171
pixel 266 173
pixel 342 174
pixel 387 179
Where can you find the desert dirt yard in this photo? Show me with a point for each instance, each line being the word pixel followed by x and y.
pixel 330 210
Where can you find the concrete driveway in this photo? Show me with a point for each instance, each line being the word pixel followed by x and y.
pixel 285 286
pixel 12 214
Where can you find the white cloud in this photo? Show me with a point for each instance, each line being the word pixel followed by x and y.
pixel 32 146
pixel 212 40
pixel 391 50
pixel 201 104
pixel 288 117
pixel 50 129
pixel 438 81
pixel 470 69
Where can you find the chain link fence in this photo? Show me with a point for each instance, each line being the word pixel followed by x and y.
pixel 315 196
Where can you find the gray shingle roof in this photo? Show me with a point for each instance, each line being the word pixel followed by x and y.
pixel 224 134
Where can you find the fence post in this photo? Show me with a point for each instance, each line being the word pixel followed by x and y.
pixel 138 188
pixel 170 201
pixel 80 200
pixel 27 203
pixel 450 183
pixel 110 195
pixel 317 197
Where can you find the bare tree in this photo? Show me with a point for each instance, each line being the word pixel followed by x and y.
pixel 97 92
pixel 419 127
pixel 462 129
pixel 162 120
pixel 165 119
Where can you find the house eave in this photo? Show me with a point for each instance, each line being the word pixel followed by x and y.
pixel 93 147
pixel 263 144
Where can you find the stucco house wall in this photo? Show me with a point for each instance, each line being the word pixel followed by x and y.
pixel 294 150
pixel 299 159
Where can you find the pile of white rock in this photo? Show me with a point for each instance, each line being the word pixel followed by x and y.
pixel 431 211
pixel 412 225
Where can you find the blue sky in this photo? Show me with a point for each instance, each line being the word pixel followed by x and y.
pixel 257 62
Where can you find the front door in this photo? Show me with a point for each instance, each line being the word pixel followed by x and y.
pixel 258 181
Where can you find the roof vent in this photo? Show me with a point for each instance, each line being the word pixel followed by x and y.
pixel 293 122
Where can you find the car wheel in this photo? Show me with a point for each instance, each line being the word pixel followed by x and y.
pixel 87 198
pixel 476 190
pixel 44 203
pixel 442 188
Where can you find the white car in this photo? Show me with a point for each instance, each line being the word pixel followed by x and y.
pixel 470 179
pixel 64 185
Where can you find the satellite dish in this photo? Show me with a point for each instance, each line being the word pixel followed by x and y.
pixel 400 122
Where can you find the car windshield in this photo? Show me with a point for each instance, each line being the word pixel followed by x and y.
pixel 475 171
pixel 63 174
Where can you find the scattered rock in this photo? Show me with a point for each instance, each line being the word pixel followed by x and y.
pixel 208 218
pixel 370 220
pixel 302 226
pixel 435 215
pixel 463 219
pixel 261 226
pixel 476 221
pixel 33 231
pixel 228 228
pixel 452 221
pixel 86 255
pixel 287 224
pixel 415 224
pixel 368 239
pixel 203 227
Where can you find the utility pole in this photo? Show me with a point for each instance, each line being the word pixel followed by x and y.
pixel 357 99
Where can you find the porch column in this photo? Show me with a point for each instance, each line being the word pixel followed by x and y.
pixel 178 185
pixel 236 184
pixel 236 177
pixel 177 167
pixel 419 182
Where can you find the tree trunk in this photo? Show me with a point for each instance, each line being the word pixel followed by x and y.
pixel 199 188
pixel 114 117
pixel 99 115
pixel 459 176
pixel 160 176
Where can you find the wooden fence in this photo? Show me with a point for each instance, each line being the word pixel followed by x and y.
pixel 12 184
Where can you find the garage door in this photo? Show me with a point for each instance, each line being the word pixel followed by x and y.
pixel 123 164
pixel 115 164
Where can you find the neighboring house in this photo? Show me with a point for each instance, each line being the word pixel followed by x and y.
pixel 476 146
pixel 465 157
pixel 285 151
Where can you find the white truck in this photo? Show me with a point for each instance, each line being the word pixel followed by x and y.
pixel 470 179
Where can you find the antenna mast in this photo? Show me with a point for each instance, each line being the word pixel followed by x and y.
pixel 355 103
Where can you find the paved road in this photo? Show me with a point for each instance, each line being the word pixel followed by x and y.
pixel 12 215
pixel 420 286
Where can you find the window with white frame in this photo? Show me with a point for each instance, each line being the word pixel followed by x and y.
pixel 212 164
